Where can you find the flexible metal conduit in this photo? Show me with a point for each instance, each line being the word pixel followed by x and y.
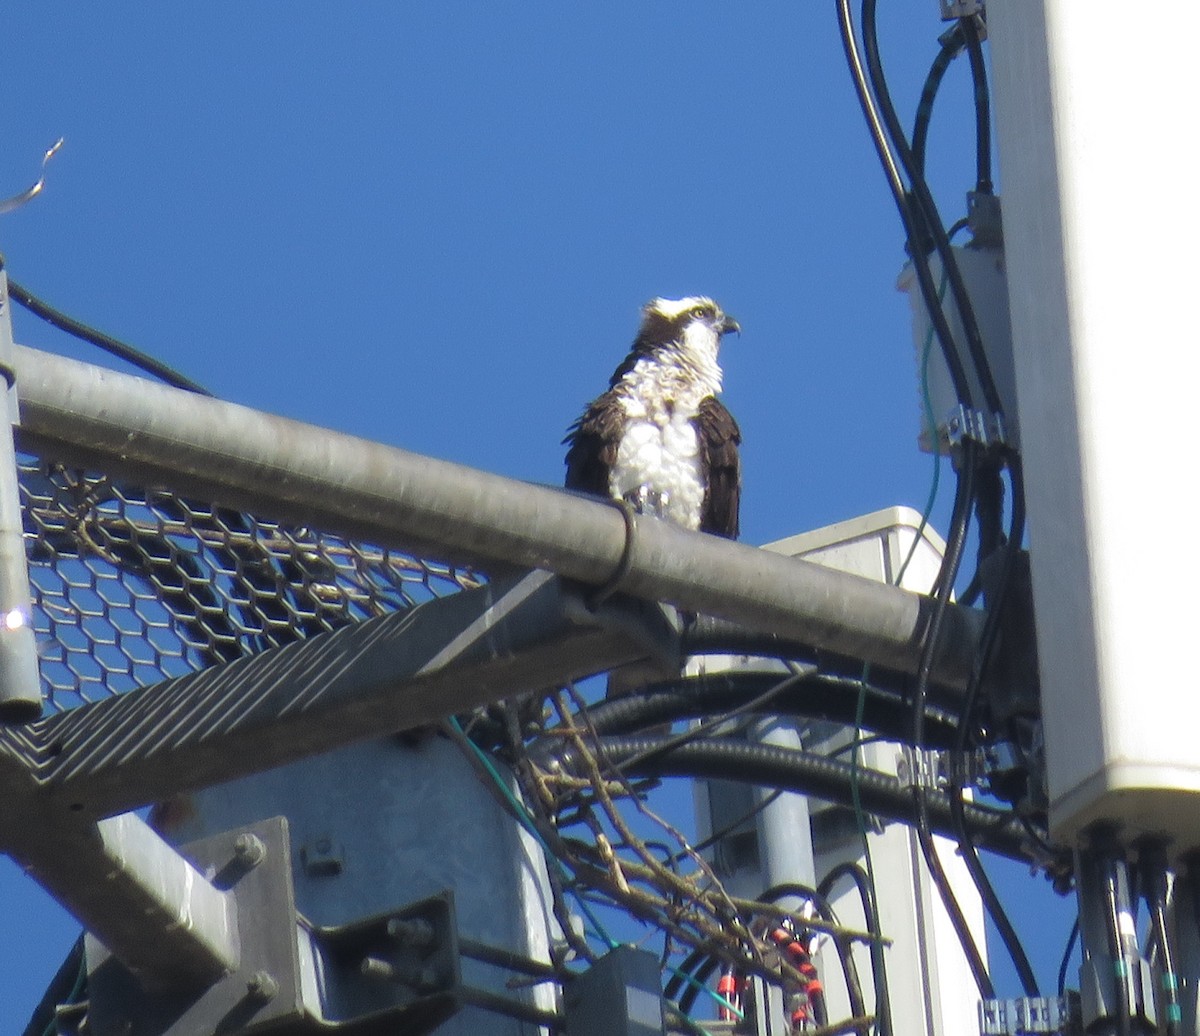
pixel 820 776
pixel 295 472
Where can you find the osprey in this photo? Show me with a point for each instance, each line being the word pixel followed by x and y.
pixel 659 438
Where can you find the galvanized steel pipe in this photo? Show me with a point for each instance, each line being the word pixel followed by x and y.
pixel 20 688
pixel 301 473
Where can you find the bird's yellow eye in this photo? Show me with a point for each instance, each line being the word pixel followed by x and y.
pixel 700 312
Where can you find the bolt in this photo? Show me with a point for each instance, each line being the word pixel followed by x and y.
pixel 416 932
pixel 374 967
pixel 248 849
pixel 262 986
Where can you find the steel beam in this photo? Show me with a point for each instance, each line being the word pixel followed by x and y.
pixel 373 678
pixel 141 430
pixel 144 901
pixel 63 775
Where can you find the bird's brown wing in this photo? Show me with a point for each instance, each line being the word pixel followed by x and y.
pixel 592 443
pixel 719 441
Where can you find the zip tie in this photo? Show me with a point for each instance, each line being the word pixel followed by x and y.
pixel 614 582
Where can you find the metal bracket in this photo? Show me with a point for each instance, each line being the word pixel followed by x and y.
pixel 964 423
pixel 955 9
pixel 921 767
pixel 253 865
pixel 984 219
pixel 1034 1015
pixel 398 972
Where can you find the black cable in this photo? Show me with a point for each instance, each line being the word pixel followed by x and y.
pixel 701 975
pixel 920 796
pixel 991 628
pixel 1066 957
pixel 99 339
pixel 681 973
pixel 824 908
pixel 1154 870
pixel 995 910
pixel 943 587
pixel 729 828
pixel 970 857
pixel 925 205
pixel 711 725
pixel 983 117
pixel 816 696
pixel 912 221
pixel 851 870
pixel 65 987
pixel 709 635
pixel 952 45
pixel 1116 941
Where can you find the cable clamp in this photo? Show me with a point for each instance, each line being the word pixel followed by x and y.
pixel 603 593
pixel 922 768
pixel 1030 1014
pixel 964 423
pixel 954 9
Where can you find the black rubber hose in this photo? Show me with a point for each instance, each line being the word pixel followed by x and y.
pixel 807 774
pixel 814 697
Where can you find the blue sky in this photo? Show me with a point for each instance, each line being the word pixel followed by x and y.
pixel 432 224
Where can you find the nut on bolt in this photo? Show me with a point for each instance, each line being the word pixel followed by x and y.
pixel 248 849
pixel 415 932
pixel 426 980
pixel 262 986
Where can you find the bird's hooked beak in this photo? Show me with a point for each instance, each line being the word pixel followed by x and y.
pixel 727 324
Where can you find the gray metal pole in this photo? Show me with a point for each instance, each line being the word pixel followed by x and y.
pixel 158 435
pixel 20 685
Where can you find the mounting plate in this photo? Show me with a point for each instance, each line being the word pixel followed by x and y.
pixel 264 990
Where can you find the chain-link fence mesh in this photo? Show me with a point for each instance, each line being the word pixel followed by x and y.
pixel 131 585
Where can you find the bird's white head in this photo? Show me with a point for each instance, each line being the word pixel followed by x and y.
pixel 690 329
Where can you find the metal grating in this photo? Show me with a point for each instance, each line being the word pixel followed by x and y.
pixel 131 585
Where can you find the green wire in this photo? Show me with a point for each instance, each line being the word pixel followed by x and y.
pixel 52 1025
pixel 860 705
pixel 526 819
pixel 691 980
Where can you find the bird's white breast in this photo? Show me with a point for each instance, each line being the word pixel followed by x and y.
pixel 658 466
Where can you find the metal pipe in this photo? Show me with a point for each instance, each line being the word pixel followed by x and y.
pixel 158 435
pixel 20 686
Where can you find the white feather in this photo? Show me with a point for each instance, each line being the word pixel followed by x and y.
pixel 658 465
